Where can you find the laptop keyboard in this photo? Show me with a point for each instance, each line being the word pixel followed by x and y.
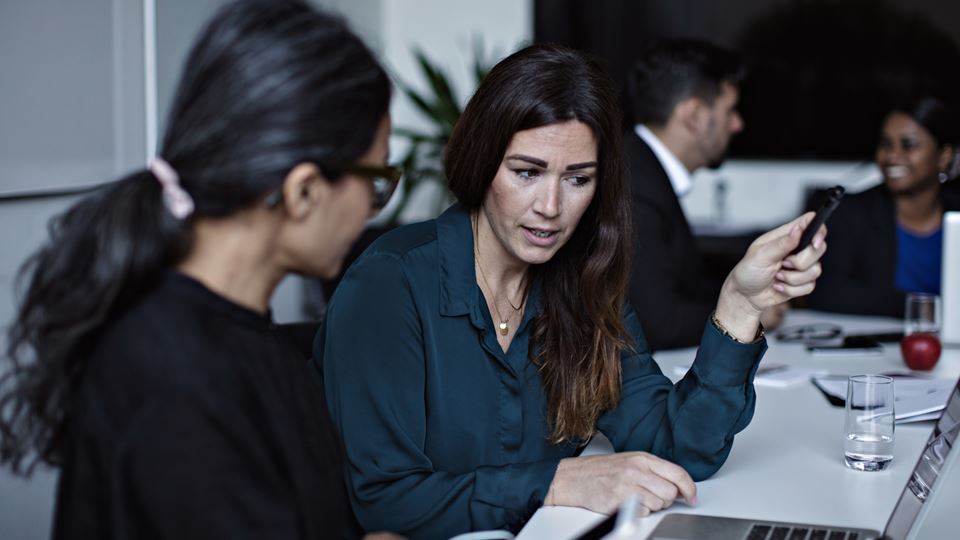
pixel 773 532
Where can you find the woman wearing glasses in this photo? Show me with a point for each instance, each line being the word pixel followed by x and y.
pixel 467 360
pixel 146 364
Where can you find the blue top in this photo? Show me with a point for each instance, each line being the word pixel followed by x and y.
pixel 445 433
pixel 918 261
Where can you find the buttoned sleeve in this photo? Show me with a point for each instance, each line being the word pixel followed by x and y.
pixel 691 423
pixel 373 360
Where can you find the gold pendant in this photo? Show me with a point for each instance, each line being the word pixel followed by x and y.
pixel 503 328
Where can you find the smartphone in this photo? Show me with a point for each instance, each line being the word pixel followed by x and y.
pixel 882 337
pixel 851 345
pixel 602 529
pixel 619 524
pixel 834 195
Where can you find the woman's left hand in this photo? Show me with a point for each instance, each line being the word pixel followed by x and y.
pixel 769 275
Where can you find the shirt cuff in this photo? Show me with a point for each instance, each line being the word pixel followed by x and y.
pixel 518 489
pixel 725 362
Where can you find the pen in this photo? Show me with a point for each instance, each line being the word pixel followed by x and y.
pixel 776 368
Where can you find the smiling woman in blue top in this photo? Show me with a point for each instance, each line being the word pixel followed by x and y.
pixel 468 359
pixel 888 240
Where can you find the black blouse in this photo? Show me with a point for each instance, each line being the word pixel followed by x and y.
pixel 195 419
pixel 860 264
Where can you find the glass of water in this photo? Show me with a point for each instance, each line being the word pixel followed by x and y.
pixel 868 428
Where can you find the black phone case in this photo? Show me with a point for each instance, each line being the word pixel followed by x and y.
pixel 823 213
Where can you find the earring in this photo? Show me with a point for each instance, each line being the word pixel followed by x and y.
pixel 943 177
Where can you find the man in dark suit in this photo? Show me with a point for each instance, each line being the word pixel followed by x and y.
pixel 684 98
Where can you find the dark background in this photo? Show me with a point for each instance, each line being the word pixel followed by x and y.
pixel 821 72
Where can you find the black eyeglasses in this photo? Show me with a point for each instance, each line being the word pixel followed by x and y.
pixel 809 332
pixel 384 179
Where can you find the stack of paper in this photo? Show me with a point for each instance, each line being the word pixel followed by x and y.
pixel 915 398
pixel 783 376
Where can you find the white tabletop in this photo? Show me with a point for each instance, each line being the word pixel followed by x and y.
pixel 788 463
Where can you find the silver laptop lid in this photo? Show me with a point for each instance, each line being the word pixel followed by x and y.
pixel 950 279
pixel 927 470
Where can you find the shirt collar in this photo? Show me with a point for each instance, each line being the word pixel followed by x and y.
pixel 678 174
pixel 459 293
pixel 455 245
pixel 176 282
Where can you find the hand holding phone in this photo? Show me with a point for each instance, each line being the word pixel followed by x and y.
pixel 830 204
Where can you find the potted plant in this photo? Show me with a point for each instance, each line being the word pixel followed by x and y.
pixel 424 193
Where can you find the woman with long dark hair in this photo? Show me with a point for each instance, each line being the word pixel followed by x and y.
pixel 888 240
pixel 145 361
pixel 467 360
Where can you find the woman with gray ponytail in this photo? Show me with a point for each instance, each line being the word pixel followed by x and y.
pixel 144 362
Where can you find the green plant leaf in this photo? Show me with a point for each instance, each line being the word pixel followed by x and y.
pixel 437 102
pixel 445 106
pixel 417 136
pixel 421 103
pixel 480 64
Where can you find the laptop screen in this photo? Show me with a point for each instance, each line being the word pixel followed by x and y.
pixel 928 468
pixel 950 278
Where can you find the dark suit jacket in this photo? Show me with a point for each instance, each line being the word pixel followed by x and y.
pixel 861 257
pixel 668 288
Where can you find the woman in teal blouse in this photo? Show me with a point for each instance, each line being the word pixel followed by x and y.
pixel 468 359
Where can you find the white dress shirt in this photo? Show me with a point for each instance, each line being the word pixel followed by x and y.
pixel 678 174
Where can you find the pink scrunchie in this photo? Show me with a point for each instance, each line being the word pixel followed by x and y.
pixel 175 198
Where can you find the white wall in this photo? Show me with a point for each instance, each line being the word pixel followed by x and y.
pixel 71 114
pixel 445 31
pixel 762 194
pixel 178 22
pixel 71 92
pixel 25 505
pixel 365 17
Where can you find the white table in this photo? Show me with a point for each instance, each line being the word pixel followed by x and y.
pixel 788 463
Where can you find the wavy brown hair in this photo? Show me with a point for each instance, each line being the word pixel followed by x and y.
pixel 579 334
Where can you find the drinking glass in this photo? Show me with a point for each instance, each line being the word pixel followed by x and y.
pixel 921 331
pixel 868 427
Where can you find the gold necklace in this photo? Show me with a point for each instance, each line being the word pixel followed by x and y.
pixel 504 323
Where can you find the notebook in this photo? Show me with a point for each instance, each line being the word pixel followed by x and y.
pixel 917 496
pixel 950 279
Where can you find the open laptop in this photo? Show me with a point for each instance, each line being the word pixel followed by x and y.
pixel 950 279
pixel 920 491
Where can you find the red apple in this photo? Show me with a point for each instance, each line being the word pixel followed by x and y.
pixel 921 351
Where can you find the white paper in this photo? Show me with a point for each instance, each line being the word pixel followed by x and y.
pixel 775 375
pixel 782 376
pixel 914 398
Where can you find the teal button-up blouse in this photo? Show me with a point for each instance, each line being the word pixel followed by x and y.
pixel 445 433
